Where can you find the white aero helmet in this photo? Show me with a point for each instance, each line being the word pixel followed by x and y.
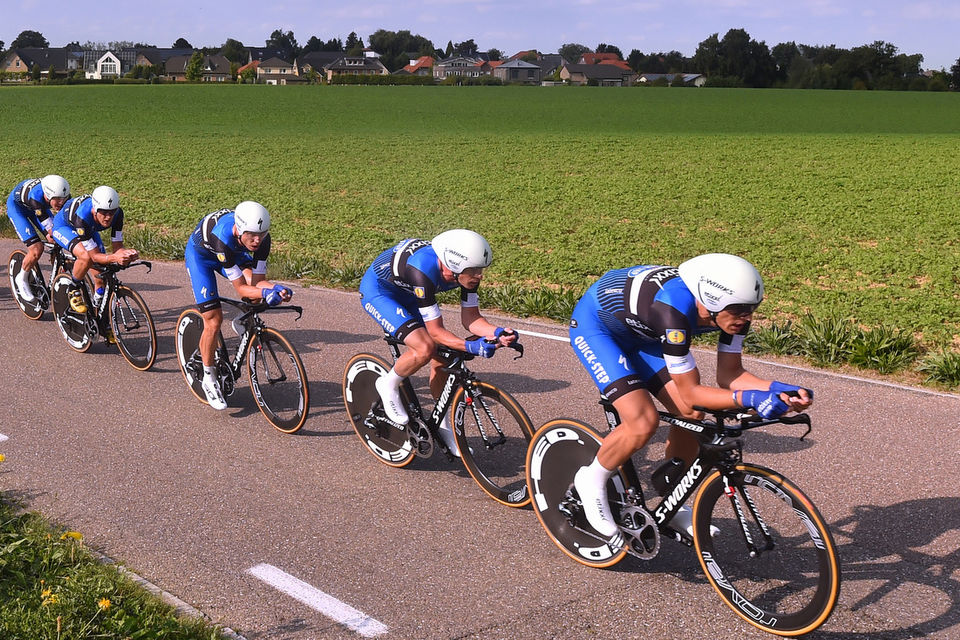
pixel 460 249
pixel 106 198
pixel 719 280
pixel 251 216
pixel 55 186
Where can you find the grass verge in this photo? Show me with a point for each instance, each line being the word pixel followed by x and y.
pixel 52 586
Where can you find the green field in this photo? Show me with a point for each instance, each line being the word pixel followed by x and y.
pixel 846 201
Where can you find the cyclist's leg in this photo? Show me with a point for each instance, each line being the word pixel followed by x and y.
pixel 66 236
pixel 398 316
pixel 681 443
pixel 203 279
pixel 616 373
pixel 26 224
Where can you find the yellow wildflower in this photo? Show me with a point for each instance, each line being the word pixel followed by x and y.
pixel 103 604
pixel 76 535
pixel 51 599
pixel 45 593
pixel 2 457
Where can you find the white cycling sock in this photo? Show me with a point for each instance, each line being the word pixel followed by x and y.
pixel 393 378
pixel 598 473
pixel 591 484
pixel 209 372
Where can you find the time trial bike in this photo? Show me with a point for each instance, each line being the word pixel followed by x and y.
pixel 491 428
pixel 60 260
pixel 118 316
pixel 278 378
pixel 761 542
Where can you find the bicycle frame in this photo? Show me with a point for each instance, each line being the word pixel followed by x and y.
pixel 111 283
pixel 252 325
pixel 458 375
pixel 715 453
pixel 59 261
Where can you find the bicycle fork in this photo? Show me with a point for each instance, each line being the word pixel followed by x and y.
pixel 471 399
pixel 732 492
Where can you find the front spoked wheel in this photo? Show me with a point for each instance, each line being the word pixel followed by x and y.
pixel 75 327
pixel 279 380
pixel 773 560
pixel 492 432
pixel 390 445
pixel 558 449
pixel 32 310
pixel 133 327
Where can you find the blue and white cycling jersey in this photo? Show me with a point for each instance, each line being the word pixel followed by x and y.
pixel 213 248
pixel 633 328
pixel 75 224
pixel 23 203
pixel 399 290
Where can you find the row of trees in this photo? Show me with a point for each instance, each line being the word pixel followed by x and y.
pixel 734 60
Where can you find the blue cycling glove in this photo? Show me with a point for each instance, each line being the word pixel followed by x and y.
pixel 767 403
pixel 272 296
pixel 480 347
pixel 782 387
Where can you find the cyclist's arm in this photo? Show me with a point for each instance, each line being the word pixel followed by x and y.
pixel 441 335
pixel 692 393
pixel 474 322
pixel 245 289
pixel 732 375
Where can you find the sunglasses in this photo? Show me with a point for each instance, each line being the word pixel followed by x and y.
pixel 741 310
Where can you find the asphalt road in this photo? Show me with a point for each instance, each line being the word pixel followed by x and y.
pixel 192 499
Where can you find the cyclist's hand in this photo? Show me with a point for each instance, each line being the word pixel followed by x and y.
pixel 272 297
pixel 285 292
pixel 126 256
pixel 766 403
pixel 799 398
pixel 505 335
pixel 480 347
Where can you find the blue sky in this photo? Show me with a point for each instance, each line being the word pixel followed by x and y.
pixel 928 27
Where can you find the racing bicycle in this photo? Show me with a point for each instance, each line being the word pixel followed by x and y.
pixel 278 378
pixel 761 542
pixel 490 427
pixel 60 260
pixel 118 316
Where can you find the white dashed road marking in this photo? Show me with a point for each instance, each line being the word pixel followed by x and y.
pixel 317 600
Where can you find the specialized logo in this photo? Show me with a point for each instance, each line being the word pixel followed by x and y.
pixel 675 336
pixel 419 292
pixel 401 312
pixel 441 406
pixel 676 496
pixel 624 362
pixel 716 285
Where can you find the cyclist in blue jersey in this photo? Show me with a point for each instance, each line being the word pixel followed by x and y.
pixel 234 243
pixel 31 206
pixel 632 330
pixel 77 229
pixel 399 292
